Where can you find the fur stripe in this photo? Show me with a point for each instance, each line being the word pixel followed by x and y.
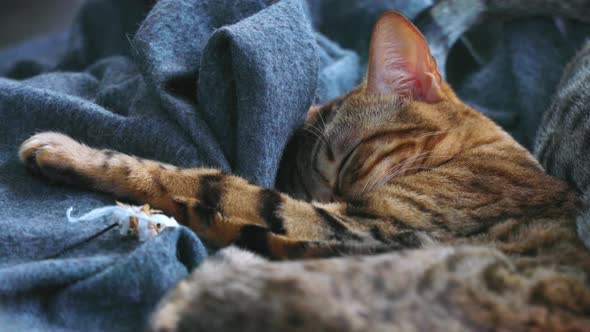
pixel 67 175
pixel 209 195
pixel 437 218
pixel 329 152
pixel 398 149
pixel 338 228
pixel 400 225
pixel 358 209
pixel 407 239
pixel 378 234
pixel 108 155
pixel 269 205
pixel 394 134
pixel 432 141
pixel 157 179
pixel 254 238
pixel 182 213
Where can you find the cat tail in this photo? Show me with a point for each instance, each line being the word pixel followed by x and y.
pixel 447 21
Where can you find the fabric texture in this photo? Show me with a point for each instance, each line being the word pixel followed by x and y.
pixel 212 83
pixel 257 68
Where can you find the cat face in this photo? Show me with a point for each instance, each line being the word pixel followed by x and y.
pixel 402 120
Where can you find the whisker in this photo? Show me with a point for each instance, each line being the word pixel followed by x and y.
pixel 316 133
pixel 311 132
pixel 324 124
pixel 377 178
pixel 386 179
pixel 320 134
pixel 322 118
pixel 396 170
pixel 393 168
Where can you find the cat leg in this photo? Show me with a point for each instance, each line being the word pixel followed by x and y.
pixel 60 159
pixel 221 208
pixel 221 231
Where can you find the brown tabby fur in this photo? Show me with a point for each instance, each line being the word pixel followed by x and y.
pixel 398 163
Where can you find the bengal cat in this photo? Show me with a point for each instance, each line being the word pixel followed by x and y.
pixel 399 162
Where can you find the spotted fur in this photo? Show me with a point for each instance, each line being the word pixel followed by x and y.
pixel 436 289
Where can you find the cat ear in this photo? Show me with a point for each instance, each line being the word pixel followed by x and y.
pixel 400 61
pixel 312 111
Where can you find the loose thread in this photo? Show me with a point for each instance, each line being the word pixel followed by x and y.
pixel 80 243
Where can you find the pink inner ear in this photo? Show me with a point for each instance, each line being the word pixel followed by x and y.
pixel 400 61
pixel 312 112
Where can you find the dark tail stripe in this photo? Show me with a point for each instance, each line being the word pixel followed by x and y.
pixel 108 155
pixel 210 192
pixel 158 183
pixel 182 213
pixel 339 229
pixel 378 235
pixel 269 205
pixel 209 197
pixel 255 238
pixel 358 209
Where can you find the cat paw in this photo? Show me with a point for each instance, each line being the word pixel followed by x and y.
pixel 53 156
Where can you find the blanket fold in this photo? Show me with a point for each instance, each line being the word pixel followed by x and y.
pixel 200 83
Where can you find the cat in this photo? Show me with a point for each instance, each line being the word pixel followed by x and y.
pixel 397 163
pixel 440 288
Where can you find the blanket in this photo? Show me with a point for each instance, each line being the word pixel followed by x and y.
pixel 201 83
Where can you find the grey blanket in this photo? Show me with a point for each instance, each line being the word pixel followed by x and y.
pixel 200 83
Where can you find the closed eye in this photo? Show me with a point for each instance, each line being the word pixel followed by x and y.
pixel 342 165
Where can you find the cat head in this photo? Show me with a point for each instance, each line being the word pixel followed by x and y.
pixel 402 120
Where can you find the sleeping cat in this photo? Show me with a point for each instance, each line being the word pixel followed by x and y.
pixel 439 288
pixel 398 163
